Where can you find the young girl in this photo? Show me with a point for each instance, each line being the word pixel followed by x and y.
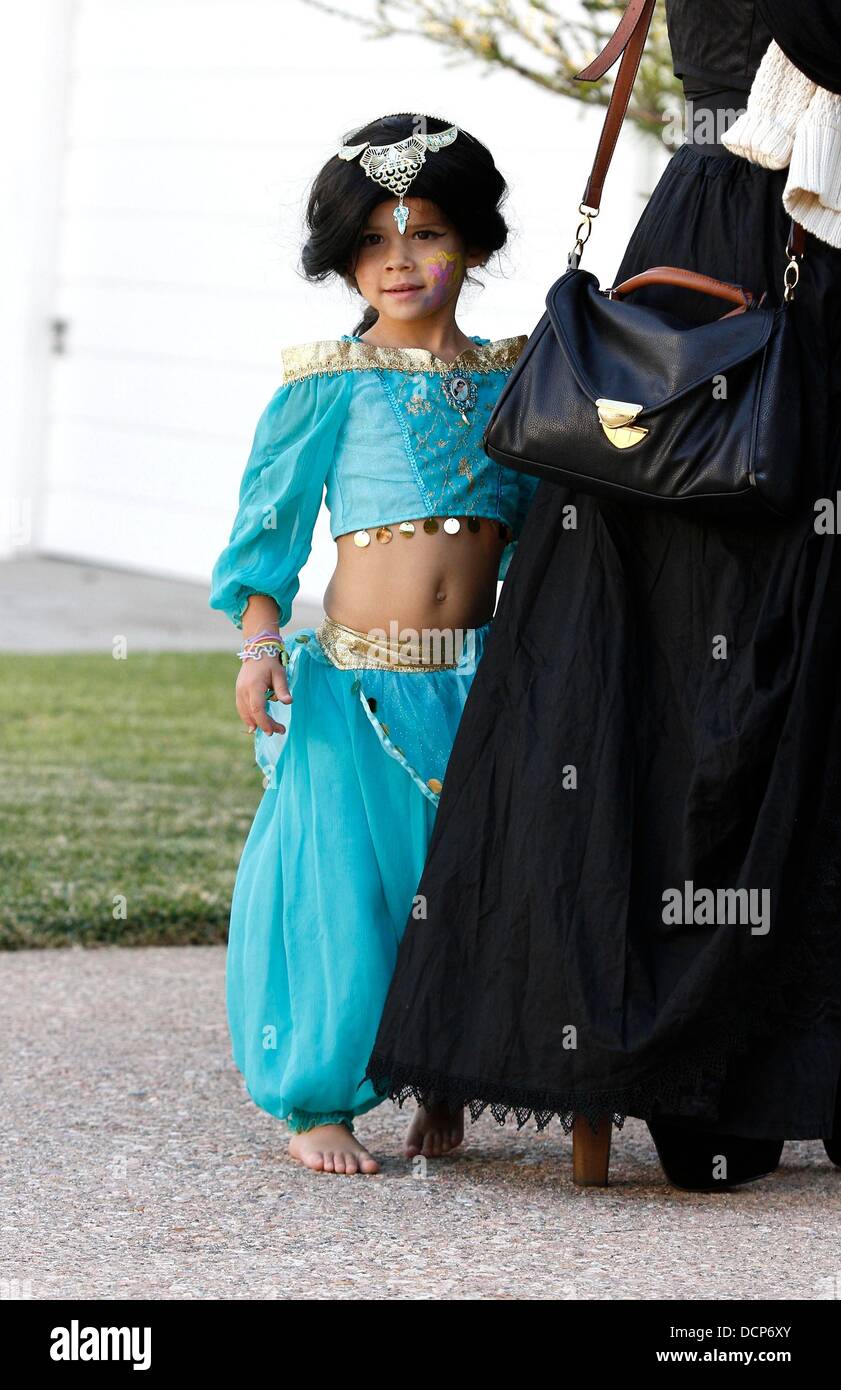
pixel 390 420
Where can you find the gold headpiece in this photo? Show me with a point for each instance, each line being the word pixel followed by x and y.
pixel 395 166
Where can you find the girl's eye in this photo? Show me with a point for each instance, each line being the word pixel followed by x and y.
pixel 370 238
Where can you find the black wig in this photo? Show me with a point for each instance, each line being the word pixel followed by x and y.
pixel 461 178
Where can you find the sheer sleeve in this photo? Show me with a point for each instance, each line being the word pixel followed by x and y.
pixel 280 495
pixel 526 487
pixel 809 33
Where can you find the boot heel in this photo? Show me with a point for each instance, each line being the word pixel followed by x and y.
pixel 690 1156
pixel 591 1152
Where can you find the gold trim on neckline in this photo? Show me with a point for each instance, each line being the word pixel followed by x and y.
pixel 330 356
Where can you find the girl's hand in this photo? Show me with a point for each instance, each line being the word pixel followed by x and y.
pixel 254 681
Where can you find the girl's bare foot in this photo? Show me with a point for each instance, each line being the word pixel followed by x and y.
pixel 332 1149
pixel 434 1132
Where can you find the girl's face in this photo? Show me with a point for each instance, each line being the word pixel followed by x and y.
pixel 429 258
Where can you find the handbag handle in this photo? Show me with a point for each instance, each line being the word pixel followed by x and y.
pixel 628 39
pixel 686 280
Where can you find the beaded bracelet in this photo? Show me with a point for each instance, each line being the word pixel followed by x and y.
pixel 274 650
pixel 264 644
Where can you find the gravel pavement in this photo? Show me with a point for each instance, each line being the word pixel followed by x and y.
pixel 135 1165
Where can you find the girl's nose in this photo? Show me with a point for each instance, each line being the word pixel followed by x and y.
pixel 398 259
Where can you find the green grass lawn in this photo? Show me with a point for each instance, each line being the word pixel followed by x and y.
pixel 132 778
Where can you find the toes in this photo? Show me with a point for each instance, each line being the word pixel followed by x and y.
pixel 354 1160
pixel 434 1138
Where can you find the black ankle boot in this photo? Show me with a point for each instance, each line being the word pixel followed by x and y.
pixel 833 1143
pixel 690 1157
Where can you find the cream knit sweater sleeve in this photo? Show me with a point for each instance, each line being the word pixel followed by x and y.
pixel 790 122
pixel 812 193
pixel 778 98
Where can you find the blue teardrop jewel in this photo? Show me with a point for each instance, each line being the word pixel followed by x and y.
pixel 401 217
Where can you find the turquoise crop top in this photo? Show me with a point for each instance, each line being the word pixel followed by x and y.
pixel 373 428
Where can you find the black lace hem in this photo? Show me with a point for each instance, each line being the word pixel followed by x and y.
pixel 398 1081
pixel 668 1089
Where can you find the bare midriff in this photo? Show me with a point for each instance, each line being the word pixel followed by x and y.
pixel 422 581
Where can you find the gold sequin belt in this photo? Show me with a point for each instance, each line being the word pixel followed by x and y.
pixel 359 651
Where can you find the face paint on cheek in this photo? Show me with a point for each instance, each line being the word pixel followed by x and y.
pixel 441 272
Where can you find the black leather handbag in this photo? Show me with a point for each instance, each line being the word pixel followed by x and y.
pixel 634 403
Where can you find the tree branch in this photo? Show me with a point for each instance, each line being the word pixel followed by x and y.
pixel 532 39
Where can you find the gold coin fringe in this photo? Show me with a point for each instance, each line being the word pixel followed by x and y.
pixel 451 525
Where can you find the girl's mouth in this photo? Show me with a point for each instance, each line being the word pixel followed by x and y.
pixel 404 293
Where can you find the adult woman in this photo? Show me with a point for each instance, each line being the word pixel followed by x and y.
pixel 613 749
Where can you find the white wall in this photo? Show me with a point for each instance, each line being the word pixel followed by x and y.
pixel 193 129
pixel 35 41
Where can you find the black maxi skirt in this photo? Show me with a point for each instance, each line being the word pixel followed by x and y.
pixel 609 752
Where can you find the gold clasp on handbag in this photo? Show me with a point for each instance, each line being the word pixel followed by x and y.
pixel 586 223
pixel 616 419
pixel 795 246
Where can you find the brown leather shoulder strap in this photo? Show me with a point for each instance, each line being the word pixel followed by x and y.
pixel 796 244
pixel 629 40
